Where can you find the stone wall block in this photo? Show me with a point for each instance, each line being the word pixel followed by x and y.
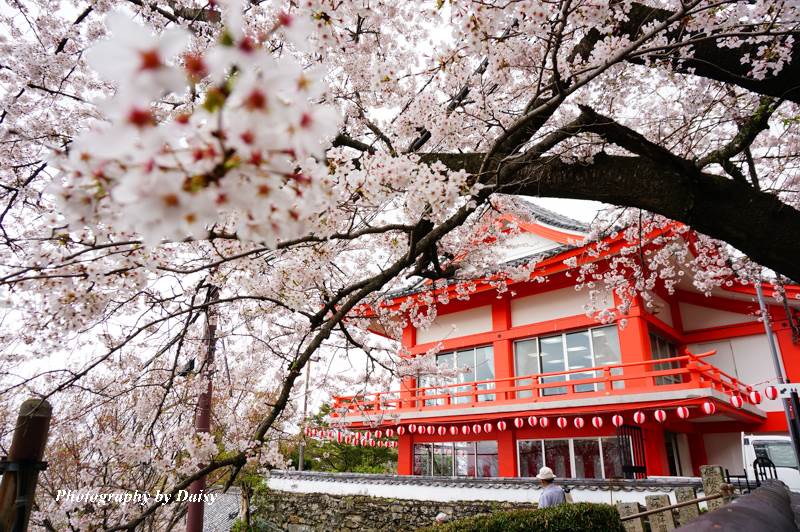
pixel 662 521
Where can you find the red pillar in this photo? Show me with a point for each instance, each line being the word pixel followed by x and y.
pixel 697 451
pixel 405 454
pixel 503 350
pixel 405 443
pixel 790 352
pixel 634 343
pixel 655 449
pixel 407 384
pixel 506 454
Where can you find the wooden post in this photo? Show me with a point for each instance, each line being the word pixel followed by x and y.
pixel 21 467
pixel 202 421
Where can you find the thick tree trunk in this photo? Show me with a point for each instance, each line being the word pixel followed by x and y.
pixel 757 223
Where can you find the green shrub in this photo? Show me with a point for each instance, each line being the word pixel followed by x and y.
pixel 578 517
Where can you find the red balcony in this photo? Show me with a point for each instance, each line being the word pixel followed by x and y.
pixel 681 380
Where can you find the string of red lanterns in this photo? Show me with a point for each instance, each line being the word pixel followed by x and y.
pixel 376 438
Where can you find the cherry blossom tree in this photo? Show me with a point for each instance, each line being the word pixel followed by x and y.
pixel 303 159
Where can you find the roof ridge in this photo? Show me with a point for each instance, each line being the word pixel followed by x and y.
pixel 544 215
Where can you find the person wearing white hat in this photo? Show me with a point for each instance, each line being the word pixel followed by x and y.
pixel 552 495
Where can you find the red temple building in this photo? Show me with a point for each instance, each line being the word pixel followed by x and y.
pixel 539 382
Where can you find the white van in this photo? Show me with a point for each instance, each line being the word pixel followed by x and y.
pixel 779 450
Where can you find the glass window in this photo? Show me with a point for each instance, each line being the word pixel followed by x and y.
pixel 526 362
pixel 612 458
pixel 464 458
pixel 487 458
pixel 484 370
pixel 465 363
pixel 530 457
pixel 471 365
pixel 588 348
pixel 557 457
pixel 781 453
pixel 443 459
pixel 552 358
pixel 422 459
pixel 579 355
pixel 661 348
pixel 587 458
pixel 605 345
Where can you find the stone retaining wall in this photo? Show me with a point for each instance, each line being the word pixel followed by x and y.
pixel 306 512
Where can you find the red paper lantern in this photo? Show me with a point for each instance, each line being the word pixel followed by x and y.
pixel 372 443
pixel 338 437
pixel 561 422
pixel 347 440
pixel 597 422
pixel 441 431
pixel 465 430
pixel 544 422
pixel 737 401
pixel 412 428
pixel 519 422
pixel 401 430
pixel 709 408
pixel 454 431
pixel 638 417
pixel 431 430
pixel 578 422
pixel 501 425
pixel 378 434
pixel 487 428
pixel 771 392
pixel 367 435
pixel 476 428
pixel 617 420
pixel 389 433
pixel 755 397
pixel 683 412
pixel 660 416
pixel 532 421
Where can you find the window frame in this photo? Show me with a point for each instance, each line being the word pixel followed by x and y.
pixel 565 357
pixel 672 351
pixel 454 386
pixel 451 446
pixel 571 441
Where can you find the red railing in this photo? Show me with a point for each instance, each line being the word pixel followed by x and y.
pixel 683 372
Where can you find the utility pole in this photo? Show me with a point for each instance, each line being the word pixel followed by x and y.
pixel 791 423
pixel 301 448
pixel 21 468
pixel 202 420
